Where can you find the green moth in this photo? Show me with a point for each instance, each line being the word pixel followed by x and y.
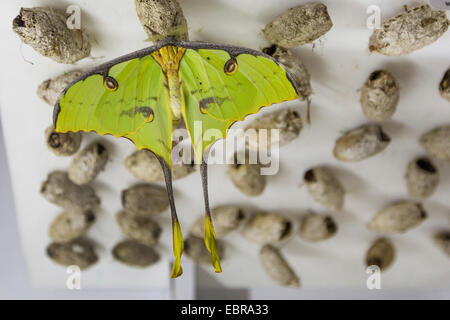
pixel 141 95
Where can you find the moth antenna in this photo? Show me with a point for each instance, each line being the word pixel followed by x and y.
pixel 210 235
pixel 178 244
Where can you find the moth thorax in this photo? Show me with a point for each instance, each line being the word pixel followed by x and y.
pixel 169 57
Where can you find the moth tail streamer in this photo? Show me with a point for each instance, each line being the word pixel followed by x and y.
pixel 178 244
pixel 211 244
pixel 210 235
pixel 178 247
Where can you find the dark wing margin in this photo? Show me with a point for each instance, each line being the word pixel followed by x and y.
pixel 233 51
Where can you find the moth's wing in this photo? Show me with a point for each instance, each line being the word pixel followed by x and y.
pixel 256 81
pixel 203 129
pixel 135 106
pixel 214 100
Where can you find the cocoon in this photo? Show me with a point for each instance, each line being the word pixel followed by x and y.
pixel 145 200
pixel 266 228
pixel 70 225
pixel 60 190
pixel 381 253
pixel 88 163
pixel 436 142
pixel 247 176
pixel 298 26
pixel 162 19
pixel 142 229
pixel 51 89
pixel 135 254
pixel 62 144
pixel 288 123
pixel 409 31
pixel 324 187
pixel 277 268
pixel 444 86
pixel 442 239
pixel 46 31
pixel 315 227
pixel 398 218
pixel 144 165
pixel 422 178
pixel 361 143
pixel 380 95
pixel 79 252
